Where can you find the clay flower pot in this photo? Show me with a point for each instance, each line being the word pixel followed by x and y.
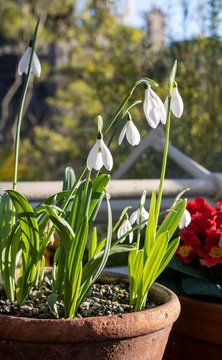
pixel 140 335
pixel 198 332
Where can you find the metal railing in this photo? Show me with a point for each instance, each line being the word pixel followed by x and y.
pixel 128 192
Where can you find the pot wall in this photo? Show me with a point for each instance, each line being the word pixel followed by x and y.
pixel 141 335
pixel 197 334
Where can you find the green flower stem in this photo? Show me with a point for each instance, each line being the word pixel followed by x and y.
pixel 120 108
pixel 138 239
pixel 163 171
pixel 21 106
pixel 123 103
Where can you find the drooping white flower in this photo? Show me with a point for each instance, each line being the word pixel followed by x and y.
pixel 24 63
pixel 99 155
pixel 153 108
pixel 137 217
pixel 185 219
pixel 131 132
pixel 176 105
pixel 123 229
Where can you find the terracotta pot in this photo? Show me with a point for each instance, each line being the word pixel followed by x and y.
pixel 142 335
pixel 197 334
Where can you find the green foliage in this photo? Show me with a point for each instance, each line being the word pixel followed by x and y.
pixel 30 245
pixel 189 279
pixel 146 264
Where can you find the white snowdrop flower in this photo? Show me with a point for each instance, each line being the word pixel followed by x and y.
pixel 24 63
pixel 176 105
pixel 99 155
pixel 123 229
pixel 136 217
pixel 131 132
pixel 185 219
pixel 153 108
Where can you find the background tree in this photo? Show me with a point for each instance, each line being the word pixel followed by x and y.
pixel 90 59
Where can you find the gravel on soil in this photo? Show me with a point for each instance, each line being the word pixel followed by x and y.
pixel 102 300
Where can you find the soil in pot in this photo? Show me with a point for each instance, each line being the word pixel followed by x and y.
pixel 102 300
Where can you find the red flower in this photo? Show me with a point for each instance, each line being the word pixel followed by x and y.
pixel 218 219
pixel 189 247
pixel 211 252
pixel 219 205
pixel 202 223
pixel 202 238
pixel 199 205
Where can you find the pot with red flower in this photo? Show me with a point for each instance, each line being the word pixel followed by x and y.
pixel 195 274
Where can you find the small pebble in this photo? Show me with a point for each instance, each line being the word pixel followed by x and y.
pixel 103 299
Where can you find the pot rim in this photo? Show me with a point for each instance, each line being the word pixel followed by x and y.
pixel 94 328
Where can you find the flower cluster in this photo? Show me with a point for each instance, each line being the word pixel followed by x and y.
pixel 202 238
pixel 72 213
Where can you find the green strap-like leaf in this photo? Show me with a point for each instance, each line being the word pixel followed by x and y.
pixel 98 185
pixel 151 268
pixel 172 220
pixel 69 179
pixel 30 247
pixel 104 257
pixel 52 298
pixel 150 228
pixel 92 244
pixel 6 216
pixel 170 251
pixel 65 231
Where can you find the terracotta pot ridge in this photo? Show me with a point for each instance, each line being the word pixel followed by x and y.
pixel 92 329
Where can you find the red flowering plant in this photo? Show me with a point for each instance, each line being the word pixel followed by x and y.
pixel 196 268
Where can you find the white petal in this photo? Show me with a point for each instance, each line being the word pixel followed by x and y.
pixel 159 105
pixel 153 118
pixel 122 134
pixel 132 133
pixel 106 156
pixel 146 104
pixel 144 216
pixel 24 61
pixel 153 108
pixel 94 160
pixel 185 219
pixel 36 66
pixel 133 217
pixel 120 231
pixel 176 103
pixel 123 229
pixel 130 237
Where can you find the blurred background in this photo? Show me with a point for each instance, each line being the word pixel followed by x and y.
pixel 91 52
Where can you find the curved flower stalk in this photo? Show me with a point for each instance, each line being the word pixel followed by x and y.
pixel 74 211
pixel 23 65
pixel 153 108
pixel 124 228
pixel 131 132
pixel 99 155
pixel 176 102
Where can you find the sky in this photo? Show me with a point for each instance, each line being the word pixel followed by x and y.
pixel 173 9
